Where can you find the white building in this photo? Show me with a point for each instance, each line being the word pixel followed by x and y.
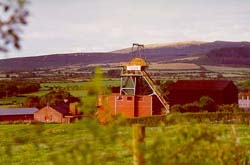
pixel 244 100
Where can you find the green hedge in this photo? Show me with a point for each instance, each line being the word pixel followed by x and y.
pixel 207 117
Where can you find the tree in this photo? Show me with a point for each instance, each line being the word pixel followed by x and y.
pixel 114 73
pixel 177 108
pixel 165 87
pixel 57 97
pixel 206 103
pixel 32 101
pixel 13 16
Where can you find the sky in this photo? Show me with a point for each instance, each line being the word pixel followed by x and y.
pixel 63 26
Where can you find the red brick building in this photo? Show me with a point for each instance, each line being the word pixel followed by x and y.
pixel 130 105
pixel 57 114
pixel 188 91
pixel 17 114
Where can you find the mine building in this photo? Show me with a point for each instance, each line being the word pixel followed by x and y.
pixel 138 95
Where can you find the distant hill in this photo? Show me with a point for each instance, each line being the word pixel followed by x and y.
pixel 234 56
pixel 185 48
pixel 59 60
pixel 153 52
pixel 177 45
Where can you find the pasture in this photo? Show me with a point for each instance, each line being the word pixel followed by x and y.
pixel 230 72
pixel 87 142
pixel 77 89
pixel 174 66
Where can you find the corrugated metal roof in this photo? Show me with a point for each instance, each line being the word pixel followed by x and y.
pixel 200 84
pixel 17 111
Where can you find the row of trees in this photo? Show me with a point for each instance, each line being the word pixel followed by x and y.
pixel 14 88
pixel 205 104
pixel 54 97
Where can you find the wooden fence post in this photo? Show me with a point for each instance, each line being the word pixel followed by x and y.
pixel 138 144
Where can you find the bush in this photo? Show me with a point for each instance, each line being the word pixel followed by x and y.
pixel 229 108
pixel 192 107
pixel 205 104
pixel 177 108
pixel 196 144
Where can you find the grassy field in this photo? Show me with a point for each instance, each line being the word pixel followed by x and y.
pixel 87 142
pixel 174 66
pixel 227 69
pixel 77 84
pixel 11 102
pixel 77 89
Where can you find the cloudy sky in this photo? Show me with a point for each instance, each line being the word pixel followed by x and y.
pixel 61 26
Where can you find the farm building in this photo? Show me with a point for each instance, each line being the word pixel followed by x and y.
pixel 57 114
pixel 17 114
pixel 244 100
pixel 188 91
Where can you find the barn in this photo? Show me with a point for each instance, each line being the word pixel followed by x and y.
pixel 17 114
pixel 188 91
pixel 57 114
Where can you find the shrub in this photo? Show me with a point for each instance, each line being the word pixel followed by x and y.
pixel 176 108
pixel 229 108
pixel 206 103
pixel 192 107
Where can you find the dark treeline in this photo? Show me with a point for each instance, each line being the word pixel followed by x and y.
pixel 54 97
pixel 205 104
pixel 14 88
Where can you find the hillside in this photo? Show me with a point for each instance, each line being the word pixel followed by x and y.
pixel 59 60
pixel 234 56
pixel 152 53
pixel 185 48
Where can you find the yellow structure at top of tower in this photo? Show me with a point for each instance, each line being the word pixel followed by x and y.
pixel 137 62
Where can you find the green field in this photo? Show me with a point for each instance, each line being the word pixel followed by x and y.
pixel 77 89
pixel 78 84
pixel 12 101
pixel 87 142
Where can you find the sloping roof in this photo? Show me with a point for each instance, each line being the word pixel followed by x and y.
pixel 17 111
pixel 64 109
pixel 244 94
pixel 200 85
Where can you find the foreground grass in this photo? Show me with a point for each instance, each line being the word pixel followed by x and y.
pixel 90 143
pixel 27 143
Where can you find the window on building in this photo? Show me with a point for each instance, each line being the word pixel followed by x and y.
pixel 129 98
